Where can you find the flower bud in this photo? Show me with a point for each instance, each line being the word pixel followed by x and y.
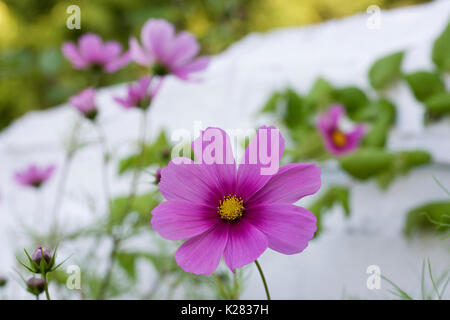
pixel 158 176
pixel 38 253
pixel 35 285
pixel 3 282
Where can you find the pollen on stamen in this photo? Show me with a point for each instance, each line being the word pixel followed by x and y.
pixel 339 138
pixel 231 208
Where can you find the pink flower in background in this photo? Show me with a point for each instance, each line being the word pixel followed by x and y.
pixel 33 176
pixel 336 140
pixel 167 53
pixel 84 102
pixel 139 94
pixel 92 51
pixel 234 212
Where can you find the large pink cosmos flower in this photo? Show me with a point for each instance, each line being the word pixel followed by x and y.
pixel 167 53
pixel 234 213
pixel 84 102
pixel 336 140
pixel 140 94
pixel 33 176
pixel 91 52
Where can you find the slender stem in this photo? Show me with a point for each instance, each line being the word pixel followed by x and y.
pixel 221 286
pixel 63 179
pixel 102 138
pixel 117 240
pixel 263 279
pixel 46 286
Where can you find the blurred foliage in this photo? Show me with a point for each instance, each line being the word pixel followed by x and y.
pixel 431 216
pixel 297 113
pixel 34 74
pixel 157 153
pixel 385 70
pixel 335 195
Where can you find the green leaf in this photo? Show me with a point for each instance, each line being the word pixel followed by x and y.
pixel 272 104
pixel 406 160
pixel 385 70
pixel 438 105
pixel 352 98
pixel 441 50
pixel 321 95
pixel 127 261
pixel 308 145
pixel 403 162
pixel 157 153
pixel 295 114
pixel 335 195
pixel 365 163
pixel 433 216
pixel 142 205
pixel 425 84
pixel 377 135
pixel 381 110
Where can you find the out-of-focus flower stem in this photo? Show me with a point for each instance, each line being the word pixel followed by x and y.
pixel 116 239
pixel 71 149
pixel 103 143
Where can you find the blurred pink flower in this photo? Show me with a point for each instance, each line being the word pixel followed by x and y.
pixel 234 212
pixel 167 53
pixel 84 102
pixel 91 51
pixel 139 94
pixel 337 141
pixel 33 176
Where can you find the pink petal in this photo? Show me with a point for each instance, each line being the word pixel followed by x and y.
pixel 157 37
pixel 213 150
pixel 189 182
pixel 111 50
pixel 330 119
pixel 201 254
pixel 118 63
pixel 91 46
pixel 183 72
pixel 70 51
pixel 249 175
pixel 47 173
pixel 291 183
pixel 177 220
pixel 185 47
pixel 287 227
pixel 138 55
pixel 245 244
pixel 354 137
pixel 123 102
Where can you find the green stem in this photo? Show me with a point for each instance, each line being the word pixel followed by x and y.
pixel 64 175
pixel 46 287
pixel 105 151
pixel 133 191
pixel 263 279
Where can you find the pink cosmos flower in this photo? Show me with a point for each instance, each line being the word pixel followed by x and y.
pixel 140 94
pixel 33 176
pixel 167 53
pixel 91 52
pixel 84 102
pixel 234 212
pixel 336 140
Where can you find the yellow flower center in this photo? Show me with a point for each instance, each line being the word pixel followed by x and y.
pixel 338 138
pixel 231 208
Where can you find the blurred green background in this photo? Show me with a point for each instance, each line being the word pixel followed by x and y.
pixel 34 74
